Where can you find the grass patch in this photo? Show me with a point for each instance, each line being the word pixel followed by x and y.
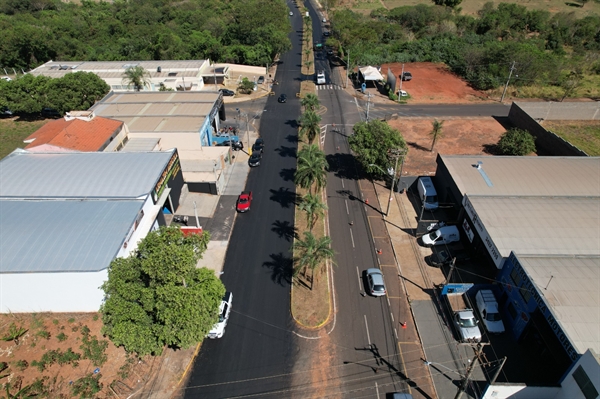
pixel 584 135
pixel 13 131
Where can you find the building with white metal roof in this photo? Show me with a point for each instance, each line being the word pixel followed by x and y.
pixel 171 74
pixel 65 216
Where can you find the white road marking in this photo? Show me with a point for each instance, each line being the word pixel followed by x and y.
pixel 347 211
pixel 391 314
pixel 343 183
pixel 352 238
pixel 358 275
pixel 367 326
pixel 377 389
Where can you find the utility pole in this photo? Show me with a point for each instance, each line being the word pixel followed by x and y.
pixel 465 381
pixel 497 373
pixel 449 278
pixel 397 154
pixel 347 70
pixel 512 68
pixel 368 104
pixel 401 76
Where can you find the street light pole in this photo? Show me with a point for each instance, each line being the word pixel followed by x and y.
pixel 240 113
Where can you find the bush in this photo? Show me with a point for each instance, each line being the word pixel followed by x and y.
pixel 62 337
pixel 392 96
pixel 43 334
pixel 87 387
pixel 516 142
pixel 93 349
pixel 21 365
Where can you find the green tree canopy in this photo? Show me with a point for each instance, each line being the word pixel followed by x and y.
pixel 312 254
pixel 309 125
pixel 313 207
pixel 516 142
pixel 310 102
pixel 157 297
pixel 372 142
pixel 136 77
pixel 311 169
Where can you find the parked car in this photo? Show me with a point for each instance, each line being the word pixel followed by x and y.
pixel 243 202
pixel 227 92
pixel 6 78
pixel 291 13
pixel 375 282
pixel 330 53
pixel 5 111
pixel 261 80
pixel 406 76
pixel 218 329
pixel 255 159
pixel 326 33
pixel 236 145
pixel 50 113
pixel 259 145
pixel 282 98
pixel 442 236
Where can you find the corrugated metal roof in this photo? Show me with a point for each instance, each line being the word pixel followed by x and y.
pixel 141 145
pixel 541 225
pixel 523 176
pixel 570 286
pixel 81 175
pixel 52 68
pixel 63 236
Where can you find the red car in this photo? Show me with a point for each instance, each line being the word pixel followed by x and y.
pixel 243 201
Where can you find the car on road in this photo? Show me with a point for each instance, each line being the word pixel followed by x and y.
pixel 218 329
pixel 255 159
pixel 282 98
pixel 259 145
pixel 50 113
pixel 330 53
pixel 375 282
pixel 406 76
pixel 243 202
pixel 227 92
pixel 261 80
pixel 467 325
pixel 291 13
pixel 326 33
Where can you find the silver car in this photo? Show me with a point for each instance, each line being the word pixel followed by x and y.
pixel 375 282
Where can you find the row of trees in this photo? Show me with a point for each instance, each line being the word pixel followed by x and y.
pixel 481 49
pixel 311 175
pixel 240 31
pixel 30 94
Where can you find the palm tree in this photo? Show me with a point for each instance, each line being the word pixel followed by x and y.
pixel 307 52
pixel 311 168
pixel 309 125
pixel 136 77
pixel 312 254
pixel 307 64
pixel 314 208
pixel 436 132
pixel 310 102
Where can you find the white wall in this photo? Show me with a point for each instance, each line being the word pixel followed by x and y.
pixel 518 391
pixel 570 389
pixel 51 292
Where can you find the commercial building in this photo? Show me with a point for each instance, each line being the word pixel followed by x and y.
pixel 65 216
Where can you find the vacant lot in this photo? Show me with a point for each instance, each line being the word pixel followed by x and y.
pixel 584 135
pixel 13 131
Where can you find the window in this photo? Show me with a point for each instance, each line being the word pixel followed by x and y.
pixel 512 311
pixel 516 277
pixel 525 293
pixel 586 386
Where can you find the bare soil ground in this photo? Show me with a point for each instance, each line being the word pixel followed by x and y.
pixel 460 137
pixel 59 332
pixel 434 83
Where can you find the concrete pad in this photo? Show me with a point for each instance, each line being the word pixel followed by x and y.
pixel 205 204
pixel 214 257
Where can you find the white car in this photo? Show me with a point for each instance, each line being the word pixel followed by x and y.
pixel 467 327
pixel 218 329
pixel 6 78
pixel 291 13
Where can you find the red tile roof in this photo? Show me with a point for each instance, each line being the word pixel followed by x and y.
pixel 76 134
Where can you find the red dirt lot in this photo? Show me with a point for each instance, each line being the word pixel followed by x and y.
pixel 459 137
pixel 434 83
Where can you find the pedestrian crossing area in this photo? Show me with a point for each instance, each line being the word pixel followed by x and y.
pixel 329 87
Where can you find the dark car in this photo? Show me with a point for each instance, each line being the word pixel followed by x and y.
pixel 244 201
pixel 255 158
pixel 261 80
pixel 50 113
pixel 259 145
pixel 326 33
pixel 236 145
pixel 227 92
pixel 330 52
pixel 5 111
pixel 407 76
pixel 282 98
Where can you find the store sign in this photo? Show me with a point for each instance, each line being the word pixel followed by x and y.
pixel 541 304
pixel 485 237
pixel 467 228
pixel 171 170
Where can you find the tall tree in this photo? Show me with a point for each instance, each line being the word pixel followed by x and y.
pixel 372 142
pixel 436 132
pixel 136 77
pixel 310 102
pixel 312 254
pixel 157 297
pixel 309 125
pixel 311 169
pixel 313 207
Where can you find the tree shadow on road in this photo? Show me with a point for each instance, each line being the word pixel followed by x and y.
pixel 292 138
pixel 281 268
pixel 284 197
pixel 343 166
pixel 287 174
pixel 284 230
pixel 286 151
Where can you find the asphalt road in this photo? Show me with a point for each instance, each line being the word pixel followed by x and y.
pixel 255 356
pixel 380 111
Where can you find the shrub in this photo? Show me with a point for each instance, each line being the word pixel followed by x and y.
pixel 62 337
pixel 71 320
pixel 392 96
pixel 14 333
pixel 43 334
pixel 87 387
pixel 516 142
pixel 92 348
pixel 55 322
pixel 21 365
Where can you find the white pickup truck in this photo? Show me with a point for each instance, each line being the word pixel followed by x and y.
pixel 488 309
pixel 321 78
pixel 463 316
